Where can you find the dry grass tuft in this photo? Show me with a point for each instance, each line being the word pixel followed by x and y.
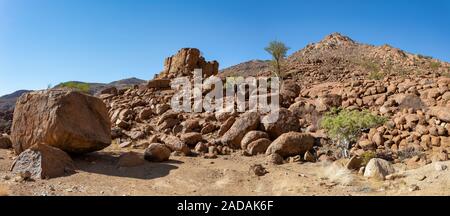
pixel 338 174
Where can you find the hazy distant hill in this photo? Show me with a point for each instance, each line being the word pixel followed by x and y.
pixel 95 88
pixel 7 102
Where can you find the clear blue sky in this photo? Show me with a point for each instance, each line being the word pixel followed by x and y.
pixel 50 41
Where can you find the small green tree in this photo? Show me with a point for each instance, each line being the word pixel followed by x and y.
pixel 344 126
pixel 278 51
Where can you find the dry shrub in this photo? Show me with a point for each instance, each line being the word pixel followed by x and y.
pixel 414 102
pixel 337 174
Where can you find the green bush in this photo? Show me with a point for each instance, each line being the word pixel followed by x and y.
pixel 435 65
pixel 376 75
pixel 367 156
pixel 446 74
pixel 83 87
pixel 345 127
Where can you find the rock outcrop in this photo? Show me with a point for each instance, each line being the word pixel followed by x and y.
pixel 185 62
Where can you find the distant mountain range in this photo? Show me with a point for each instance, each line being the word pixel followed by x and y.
pixel 7 102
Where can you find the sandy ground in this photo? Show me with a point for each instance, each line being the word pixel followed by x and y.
pixel 98 174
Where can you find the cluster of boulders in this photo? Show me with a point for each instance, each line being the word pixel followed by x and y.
pixel 142 116
pixel 49 125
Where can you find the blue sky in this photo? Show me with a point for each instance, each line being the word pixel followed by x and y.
pixel 50 41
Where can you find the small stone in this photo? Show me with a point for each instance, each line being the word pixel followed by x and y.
pixel 5 142
pixel 308 157
pixel 421 178
pixel 275 159
pixel 125 144
pixel 157 152
pixel 295 159
pixel 201 148
pixel 258 170
pixel 414 187
pixel 191 138
pixel 440 167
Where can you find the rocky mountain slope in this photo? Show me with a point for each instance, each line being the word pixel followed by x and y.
pixel 339 58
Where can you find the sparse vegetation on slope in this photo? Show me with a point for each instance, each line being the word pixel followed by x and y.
pixel 83 87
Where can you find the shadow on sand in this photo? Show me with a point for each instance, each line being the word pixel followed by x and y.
pixel 105 163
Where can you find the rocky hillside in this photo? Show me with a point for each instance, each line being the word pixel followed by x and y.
pixel 338 58
pixel 250 68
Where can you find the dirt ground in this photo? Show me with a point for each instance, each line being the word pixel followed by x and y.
pixel 98 174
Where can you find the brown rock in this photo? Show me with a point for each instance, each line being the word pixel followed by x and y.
pixel 125 144
pixel 191 138
pixel 208 128
pixel 328 101
pixel 258 147
pixel 378 139
pixel 442 113
pixel 175 144
pixel 201 148
pixel 157 152
pixel 245 123
pixel 123 124
pixel 69 120
pixel 291 144
pixel 252 136
pixel 275 159
pixel 435 141
pixel 446 96
pixel 300 109
pixel 5 142
pixel 162 108
pixel 258 170
pixel 42 162
pixel 226 125
pixel 308 157
pixel 367 145
pixel 145 114
pixel 280 122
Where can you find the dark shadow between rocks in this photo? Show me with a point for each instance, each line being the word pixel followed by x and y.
pixel 105 163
